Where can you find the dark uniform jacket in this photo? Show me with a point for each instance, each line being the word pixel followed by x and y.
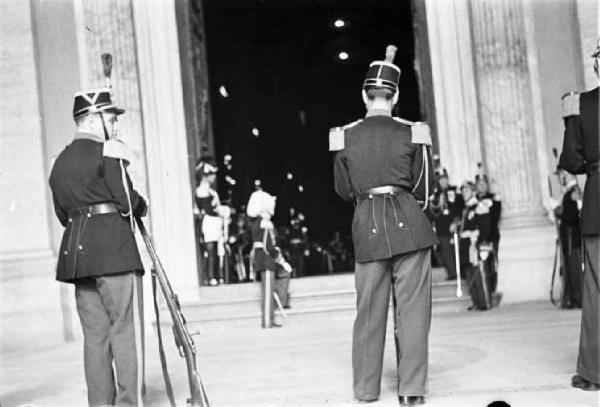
pixel 581 152
pixel 447 210
pixel 374 152
pixel 102 244
pixel 495 205
pixel 265 256
pixel 473 221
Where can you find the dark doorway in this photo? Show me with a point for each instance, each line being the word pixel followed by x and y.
pixel 276 68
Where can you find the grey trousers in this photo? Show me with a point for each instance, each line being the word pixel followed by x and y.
pixel 409 277
pixel 111 313
pixel 588 361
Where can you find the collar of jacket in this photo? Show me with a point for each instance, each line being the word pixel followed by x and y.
pixel 378 112
pixel 88 136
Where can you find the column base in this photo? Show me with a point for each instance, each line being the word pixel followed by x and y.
pixel 526 258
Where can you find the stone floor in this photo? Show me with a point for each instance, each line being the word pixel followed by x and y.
pixel 523 354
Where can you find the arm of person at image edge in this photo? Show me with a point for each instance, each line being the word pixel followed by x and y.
pixel 421 183
pixel 115 152
pixel 572 158
pixel 341 176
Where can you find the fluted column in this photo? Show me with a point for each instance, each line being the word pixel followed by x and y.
pixel 454 89
pixel 504 93
pixel 107 26
pixel 169 180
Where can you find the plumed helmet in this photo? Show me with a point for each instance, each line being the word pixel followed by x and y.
pixel 383 74
pixel 94 101
pixel 261 203
pixel 204 168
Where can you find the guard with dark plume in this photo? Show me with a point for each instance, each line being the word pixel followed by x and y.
pixel 95 201
pixel 383 165
pixel 581 155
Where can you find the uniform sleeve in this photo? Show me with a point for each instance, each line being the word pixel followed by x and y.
pixel 61 213
pixel 270 246
pixel 496 211
pixel 419 176
pixel 572 156
pixel 343 187
pixel 114 180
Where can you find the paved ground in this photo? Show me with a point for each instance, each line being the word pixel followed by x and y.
pixel 523 354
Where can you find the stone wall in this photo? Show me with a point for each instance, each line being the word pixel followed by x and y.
pixel 24 228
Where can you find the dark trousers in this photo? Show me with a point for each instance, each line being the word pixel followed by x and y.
pixel 282 285
pixel 212 267
pixel 297 259
pixel 573 277
pixel 408 276
pixel 267 287
pixel 272 283
pixel 111 312
pixel 476 282
pixel 446 249
pixel 588 363
pixel 494 271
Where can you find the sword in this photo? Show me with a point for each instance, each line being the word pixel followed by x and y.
pixel 459 292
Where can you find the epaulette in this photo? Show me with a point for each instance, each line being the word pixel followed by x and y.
pixel 336 136
pixel 115 148
pixel 570 104
pixel 419 131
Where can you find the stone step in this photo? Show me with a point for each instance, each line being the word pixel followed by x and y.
pixel 322 294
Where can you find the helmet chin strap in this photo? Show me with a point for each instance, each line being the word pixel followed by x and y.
pixel 106 135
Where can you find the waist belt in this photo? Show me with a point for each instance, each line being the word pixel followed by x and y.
pixel 91 210
pixel 258 245
pixel 383 190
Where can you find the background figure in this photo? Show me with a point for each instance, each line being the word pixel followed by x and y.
pixel 475 231
pixel 266 256
pixel 568 213
pixel 581 155
pixel 211 222
pixel 492 201
pixel 240 241
pixel 446 210
pixel 298 244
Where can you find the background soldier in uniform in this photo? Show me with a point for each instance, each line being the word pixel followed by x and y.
pixel 95 201
pixel 446 209
pixel 383 164
pixel 267 257
pixel 581 155
pixel 210 211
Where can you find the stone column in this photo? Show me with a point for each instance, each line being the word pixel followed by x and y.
pixel 504 94
pixel 169 181
pixel 107 27
pixel 24 213
pixel 454 87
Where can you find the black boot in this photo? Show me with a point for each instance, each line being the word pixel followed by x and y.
pixel 411 400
